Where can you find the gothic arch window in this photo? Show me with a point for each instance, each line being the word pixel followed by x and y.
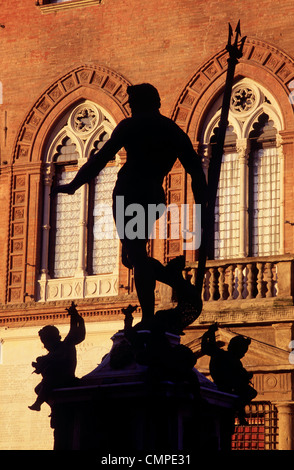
pixel 79 243
pixel 249 211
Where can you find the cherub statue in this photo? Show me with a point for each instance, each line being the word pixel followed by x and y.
pixel 58 366
pixel 128 311
pixel 226 368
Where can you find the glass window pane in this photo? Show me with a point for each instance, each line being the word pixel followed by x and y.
pixel 105 241
pixel 226 240
pixel 266 211
pixel 68 209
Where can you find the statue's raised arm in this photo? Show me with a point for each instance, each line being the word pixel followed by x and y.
pixel 96 162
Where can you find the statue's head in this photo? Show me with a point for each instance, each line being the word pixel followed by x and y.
pixel 143 97
pixel 239 345
pixel 50 337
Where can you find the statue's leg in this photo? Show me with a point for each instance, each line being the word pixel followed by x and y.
pixel 171 274
pixel 144 275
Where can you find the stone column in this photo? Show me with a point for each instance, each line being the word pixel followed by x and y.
pixel 243 151
pixel 80 270
pixel 286 425
pixel 279 143
pixel 48 175
pixel 205 151
pixel 42 283
pixel 283 334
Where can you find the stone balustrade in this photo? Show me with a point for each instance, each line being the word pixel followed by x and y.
pixel 265 277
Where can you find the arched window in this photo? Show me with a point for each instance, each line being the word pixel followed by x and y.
pixel 248 212
pixel 79 241
pixel 264 189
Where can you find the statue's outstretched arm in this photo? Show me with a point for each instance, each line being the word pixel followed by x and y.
pixel 208 343
pixel 77 332
pixel 94 164
pixel 191 161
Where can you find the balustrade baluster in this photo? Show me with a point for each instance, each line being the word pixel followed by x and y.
pixel 275 281
pixel 193 276
pixel 231 282
pixel 269 292
pixel 240 280
pixel 221 282
pixel 250 281
pixel 204 289
pixel 259 280
pixel 212 284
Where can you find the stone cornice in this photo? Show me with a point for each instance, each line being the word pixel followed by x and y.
pixel 237 312
pixel 39 312
pixel 258 311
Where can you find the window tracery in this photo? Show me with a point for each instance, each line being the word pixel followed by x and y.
pixel 79 254
pixel 248 213
pixel 243 99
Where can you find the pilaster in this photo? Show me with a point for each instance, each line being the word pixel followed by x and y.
pixel 286 425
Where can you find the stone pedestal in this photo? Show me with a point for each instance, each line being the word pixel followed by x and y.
pixel 127 410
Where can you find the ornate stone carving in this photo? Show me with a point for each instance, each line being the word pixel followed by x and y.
pixel 71 288
pixel 256 52
pixel 243 99
pixel 99 77
pixel 85 119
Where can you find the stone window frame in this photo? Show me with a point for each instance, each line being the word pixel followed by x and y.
pixel 46 6
pixel 81 284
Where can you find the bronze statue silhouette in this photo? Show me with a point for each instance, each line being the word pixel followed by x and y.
pixel 153 143
pixel 226 368
pixel 127 312
pixel 58 366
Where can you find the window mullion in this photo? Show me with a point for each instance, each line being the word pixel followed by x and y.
pixel 48 175
pixel 81 265
pixel 279 144
pixel 243 151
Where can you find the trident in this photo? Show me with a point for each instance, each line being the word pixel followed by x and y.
pixel 235 50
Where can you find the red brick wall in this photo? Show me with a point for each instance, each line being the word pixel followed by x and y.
pixel 163 42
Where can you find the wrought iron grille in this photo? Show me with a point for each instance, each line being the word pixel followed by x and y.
pixel 261 432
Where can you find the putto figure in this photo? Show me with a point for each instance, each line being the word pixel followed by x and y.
pixel 153 143
pixel 58 366
pixel 227 370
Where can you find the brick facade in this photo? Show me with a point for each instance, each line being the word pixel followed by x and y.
pixel 55 57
